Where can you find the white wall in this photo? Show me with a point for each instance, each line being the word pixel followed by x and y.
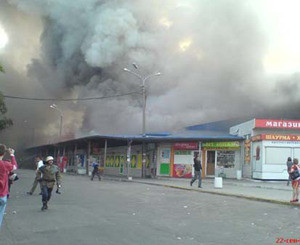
pixel 274 157
pixel 243 128
pixel 275 131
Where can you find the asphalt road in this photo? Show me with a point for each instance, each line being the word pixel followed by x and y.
pixel 111 212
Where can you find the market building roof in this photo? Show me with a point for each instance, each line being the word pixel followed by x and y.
pixel 215 131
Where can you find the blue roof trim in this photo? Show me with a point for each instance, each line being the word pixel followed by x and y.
pixel 175 136
pixel 158 134
pixel 167 137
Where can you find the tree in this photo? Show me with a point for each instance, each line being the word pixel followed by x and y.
pixel 4 122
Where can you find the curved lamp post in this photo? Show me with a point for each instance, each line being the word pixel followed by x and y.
pixel 54 106
pixel 143 81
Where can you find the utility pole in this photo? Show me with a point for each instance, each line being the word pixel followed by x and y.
pixel 143 80
pixel 129 159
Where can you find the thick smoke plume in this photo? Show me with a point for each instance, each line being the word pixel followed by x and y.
pixel 209 53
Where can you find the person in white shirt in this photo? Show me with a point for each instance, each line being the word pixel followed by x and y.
pixel 39 163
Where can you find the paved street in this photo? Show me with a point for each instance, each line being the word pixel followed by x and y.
pixel 270 191
pixel 114 212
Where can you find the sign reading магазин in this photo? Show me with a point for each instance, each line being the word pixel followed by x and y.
pixel 272 123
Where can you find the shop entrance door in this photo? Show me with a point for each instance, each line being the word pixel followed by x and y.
pixel 211 159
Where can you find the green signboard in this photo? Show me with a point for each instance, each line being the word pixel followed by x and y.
pixel 165 168
pixel 182 152
pixel 224 144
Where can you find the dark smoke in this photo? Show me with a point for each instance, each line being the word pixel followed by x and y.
pixel 209 52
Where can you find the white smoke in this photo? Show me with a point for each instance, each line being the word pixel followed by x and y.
pixel 209 53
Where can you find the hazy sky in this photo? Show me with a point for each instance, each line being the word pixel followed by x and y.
pixel 218 59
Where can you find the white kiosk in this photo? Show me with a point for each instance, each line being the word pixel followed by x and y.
pixel 271 143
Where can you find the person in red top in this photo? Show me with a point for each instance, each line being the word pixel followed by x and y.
pixel 296 181
pixel 5 168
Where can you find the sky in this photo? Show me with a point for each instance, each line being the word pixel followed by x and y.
pixel 218 60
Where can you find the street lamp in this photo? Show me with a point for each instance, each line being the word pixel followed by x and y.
pixel 54 106
pixel 143 81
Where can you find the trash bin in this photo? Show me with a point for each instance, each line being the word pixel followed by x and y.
pixel 218 182
pixel 239 174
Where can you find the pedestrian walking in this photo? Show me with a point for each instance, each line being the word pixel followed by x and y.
pixel 6 167
pixel 96 171
pixel 295 176
pixel 48 175
pixel 197 171
pixel 39 163
pixel 289 164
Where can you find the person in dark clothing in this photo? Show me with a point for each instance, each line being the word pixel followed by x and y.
pixel 289 164
pixel 96 171
pixel 197 167
pixel 11 178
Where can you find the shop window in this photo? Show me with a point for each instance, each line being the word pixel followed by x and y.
pixel 277 155
pixel 226 159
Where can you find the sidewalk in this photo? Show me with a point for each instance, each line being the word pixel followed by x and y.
pixel 266 191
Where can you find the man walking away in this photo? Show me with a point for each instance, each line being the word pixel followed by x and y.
pixel 48 174
pixel 39 163
pixel 197 168
pixel 96 171
pixel 5 168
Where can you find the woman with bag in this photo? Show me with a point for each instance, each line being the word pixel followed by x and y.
pixel 295 176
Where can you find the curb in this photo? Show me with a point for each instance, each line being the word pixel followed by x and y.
pixel 241 184
pixel 238 196
pixel 260 199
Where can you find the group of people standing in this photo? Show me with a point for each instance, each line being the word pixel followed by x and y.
pixel 47 174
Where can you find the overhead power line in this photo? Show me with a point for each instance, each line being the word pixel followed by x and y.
pixel 81 99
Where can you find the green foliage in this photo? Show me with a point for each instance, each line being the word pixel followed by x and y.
pixel 4 122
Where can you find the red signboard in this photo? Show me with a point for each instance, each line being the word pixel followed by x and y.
pixel 186 146
pixel 182 170
pixel 271 123
pixel 277 137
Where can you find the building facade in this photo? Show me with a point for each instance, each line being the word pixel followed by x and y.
pixel 256 149
pixel 268 143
